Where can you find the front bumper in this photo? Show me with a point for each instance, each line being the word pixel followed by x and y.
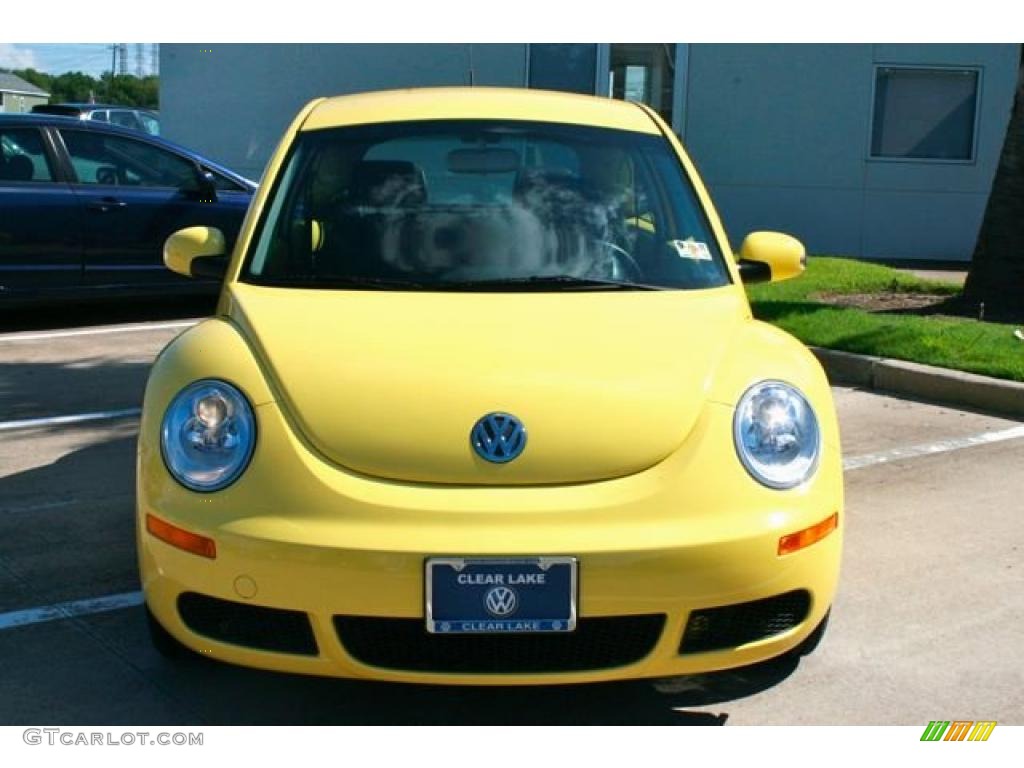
pixel 299 534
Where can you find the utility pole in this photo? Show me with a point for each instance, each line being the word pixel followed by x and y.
pixel 138 61
pixel 122 50
pixel 113 69
pixel 154 59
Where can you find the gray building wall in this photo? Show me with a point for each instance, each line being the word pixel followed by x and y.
pixel 233 103
pixel 781 133
pixel 782 136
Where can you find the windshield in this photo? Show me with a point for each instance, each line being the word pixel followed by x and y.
pixel 474 205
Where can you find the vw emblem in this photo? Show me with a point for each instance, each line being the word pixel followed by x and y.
pixel 501 601
pixel 498 437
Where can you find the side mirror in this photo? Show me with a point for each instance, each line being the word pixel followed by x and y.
pixel 205 187
pixel 770 257
pixel 197 252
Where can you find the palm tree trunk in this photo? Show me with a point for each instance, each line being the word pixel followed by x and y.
pixel 996 276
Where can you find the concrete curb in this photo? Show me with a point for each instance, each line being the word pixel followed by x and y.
pixel 926 382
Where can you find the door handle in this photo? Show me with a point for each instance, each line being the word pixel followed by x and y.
pixel 105 204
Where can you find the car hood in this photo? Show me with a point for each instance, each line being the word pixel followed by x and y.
pixel 390 384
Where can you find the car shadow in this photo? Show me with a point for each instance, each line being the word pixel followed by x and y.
pixel 99 310
pixel 224 694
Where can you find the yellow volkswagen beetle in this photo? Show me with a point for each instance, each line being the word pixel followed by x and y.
pixel 483 402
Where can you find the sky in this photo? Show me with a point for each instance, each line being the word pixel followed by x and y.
pixel 57 58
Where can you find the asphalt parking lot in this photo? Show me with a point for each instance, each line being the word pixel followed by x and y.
pixel 927 625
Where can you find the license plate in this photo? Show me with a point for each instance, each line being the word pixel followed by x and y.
pixel 510 595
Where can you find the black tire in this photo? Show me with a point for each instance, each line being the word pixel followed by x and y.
pixel 806 648
pixel 164 642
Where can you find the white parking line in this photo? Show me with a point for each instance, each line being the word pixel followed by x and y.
pixel 77 418
pixel 927 449
pixel 68 610
pixel 137 328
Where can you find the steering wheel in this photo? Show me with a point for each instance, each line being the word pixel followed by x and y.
pixel 624 266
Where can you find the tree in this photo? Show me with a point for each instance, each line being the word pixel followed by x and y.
pixel 125 90
pixel 996 275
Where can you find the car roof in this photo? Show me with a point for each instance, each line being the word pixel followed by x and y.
pixel 60 121
pixel 468 103
pixel 87 106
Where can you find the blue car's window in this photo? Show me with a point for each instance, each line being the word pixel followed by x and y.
pixel 22 157
pixel 99 158
pixel 446 205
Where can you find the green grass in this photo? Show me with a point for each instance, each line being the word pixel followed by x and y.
pixel 967 345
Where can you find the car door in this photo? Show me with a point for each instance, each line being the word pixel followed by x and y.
pixel 40 220
pixel 134 194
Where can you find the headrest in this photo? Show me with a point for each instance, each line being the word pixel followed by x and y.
pixel 543 180
pixel 389 182
pixel 17 168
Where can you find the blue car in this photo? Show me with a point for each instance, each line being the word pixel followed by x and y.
pixel 85 208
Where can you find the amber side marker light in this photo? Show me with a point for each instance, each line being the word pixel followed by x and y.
pixel 793 542
pixel 180 538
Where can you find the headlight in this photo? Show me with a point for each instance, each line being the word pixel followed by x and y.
pixel 776 434
pixel 208 435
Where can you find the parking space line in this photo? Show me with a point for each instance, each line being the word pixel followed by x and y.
pixel 69 610
pixel 927 449
pixel 77 418
pixel 136 328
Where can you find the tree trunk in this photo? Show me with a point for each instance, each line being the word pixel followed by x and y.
pixel 996 276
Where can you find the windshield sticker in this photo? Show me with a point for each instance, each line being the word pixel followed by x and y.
pixel 691 249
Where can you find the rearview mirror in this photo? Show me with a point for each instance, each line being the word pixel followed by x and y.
pixel 197 252
pixel 770 257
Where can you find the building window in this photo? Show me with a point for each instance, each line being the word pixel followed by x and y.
pixel 644 72
pixel 924 114
pixel 563 67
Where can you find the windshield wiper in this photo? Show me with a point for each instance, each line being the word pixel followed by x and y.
pixel 547 282
pixel 351 281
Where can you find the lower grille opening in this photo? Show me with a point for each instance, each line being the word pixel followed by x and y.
pixel 596 643
pixel 254 626
pixel 712 629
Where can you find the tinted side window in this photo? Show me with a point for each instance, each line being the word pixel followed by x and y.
pixel 124 118
pixel 101 159
pixel 149 123
pixel 22 156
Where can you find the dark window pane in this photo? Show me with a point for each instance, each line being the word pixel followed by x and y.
pixel 125 119
pixel 924 113
pixel 101 159
pixel 560 67
pixel 645 72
